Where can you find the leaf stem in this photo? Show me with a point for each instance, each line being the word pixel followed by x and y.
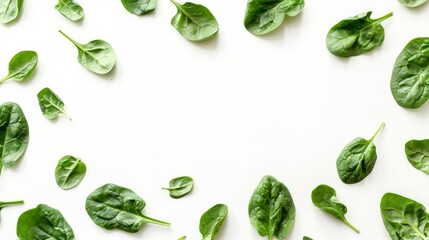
pixel 176 4
pixel 155 221
pixel 378 131
pixel 69 38
pixel 4 204
pixel 5 78
pixel 350 225
pixel 384 17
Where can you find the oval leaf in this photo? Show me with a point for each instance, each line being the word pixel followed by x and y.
pixel 70 9
pixel 264 16
pixel 356 35
pixel 211 221
pixel 412 3
pixel 139 7
pixel 69 172
pixel 10 10
pixel 21 66
pixel 50 104
pixel 417 152
pixel 180 186
pixel 194 22
pixel 97 56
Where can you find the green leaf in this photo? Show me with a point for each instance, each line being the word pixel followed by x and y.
pixel 404 218
pixel 21 66
pixel 69 172
pixel 307 238
pixel 43 222
pixel 356 35
pixel 14 134
pixel 112 206
pixel 211 221
pixel 412 3
pixel 50 104
pixel 70 9
pixel 264 16
pixel 357 159
pixel 271 209
pixel 182 238
pixel 180 186
pixel 325 198
pixel 97 56
pixel 139 7
pixel 10 10
pixel 410 77
pixel 417 152
pixel 194 22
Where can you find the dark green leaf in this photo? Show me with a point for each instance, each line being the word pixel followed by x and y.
pixel 412 3
pixel 307 238
pixel 194 22
pixel 97 56
pixel 417 152
pixel 21 66
pixel 404 218
pixel 14 134
pixel 180 186
pixel 325 198
pixel 112 206
pixel 356 35
pixel 271 209
pixel 410 77
pixel 69 172
pixel 264 16
pixel 43 222
pixel 139 7
pixel 50 104
pixel 211 221
pixel 357 159
pixel 10 10
pixel 70 9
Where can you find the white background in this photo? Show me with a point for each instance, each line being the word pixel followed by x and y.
pixel 226 112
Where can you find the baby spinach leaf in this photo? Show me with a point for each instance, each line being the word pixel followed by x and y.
pixel 14 134
pixel 180 186
pixel 307 238
pixel 404 218
pixel 10 10
pixel 97 56
pixel 264 16
pixel 410 77
pixel 211 221
pixel 271 209
pixel 50 104
pixel 325 198
pixel 417 152
pixel 21 66
pixel 356 35
pixel 412 3
pixel 43 222
pixel 69 172
pixel 112 206
pixel 139 7
pixel 70 9
pixel 194 21
pixel 357 159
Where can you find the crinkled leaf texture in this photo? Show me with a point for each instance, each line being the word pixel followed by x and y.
pixel 417 152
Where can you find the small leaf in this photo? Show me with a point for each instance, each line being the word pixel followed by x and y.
pixel 412 3
pixel 307 238
pixel 211 221
pixel 69 172
pixel 21 66
pixel 180 186
pixel 194 22
pixel 50 104
pixel 139 7
pixel 10 10
pixel 70 9
pixel 97 56
pixel 417 152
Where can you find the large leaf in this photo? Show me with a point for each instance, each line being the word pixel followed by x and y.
pixel 10 10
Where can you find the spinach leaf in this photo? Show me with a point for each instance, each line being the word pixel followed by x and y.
pixel 70 9
pixel 139 7
pixel 404 218
pixel 10 10
pixel 180 186
pixel 417 152
pixel 271 209
pixel 356 35
pixel 264 16
pixel 97 56
pixel 410 77
pixel 21 66
pixel 43 222
pixel 307 238
pixel 14 134
pixel 325 198
pixel 50 104
pixel 194 21
pixel 357 159
pixel 211 221
pixel 112 206
pixel 69 172
pixel 412 3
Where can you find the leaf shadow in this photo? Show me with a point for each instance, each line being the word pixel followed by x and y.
pixel 110 75
pixel 211 43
